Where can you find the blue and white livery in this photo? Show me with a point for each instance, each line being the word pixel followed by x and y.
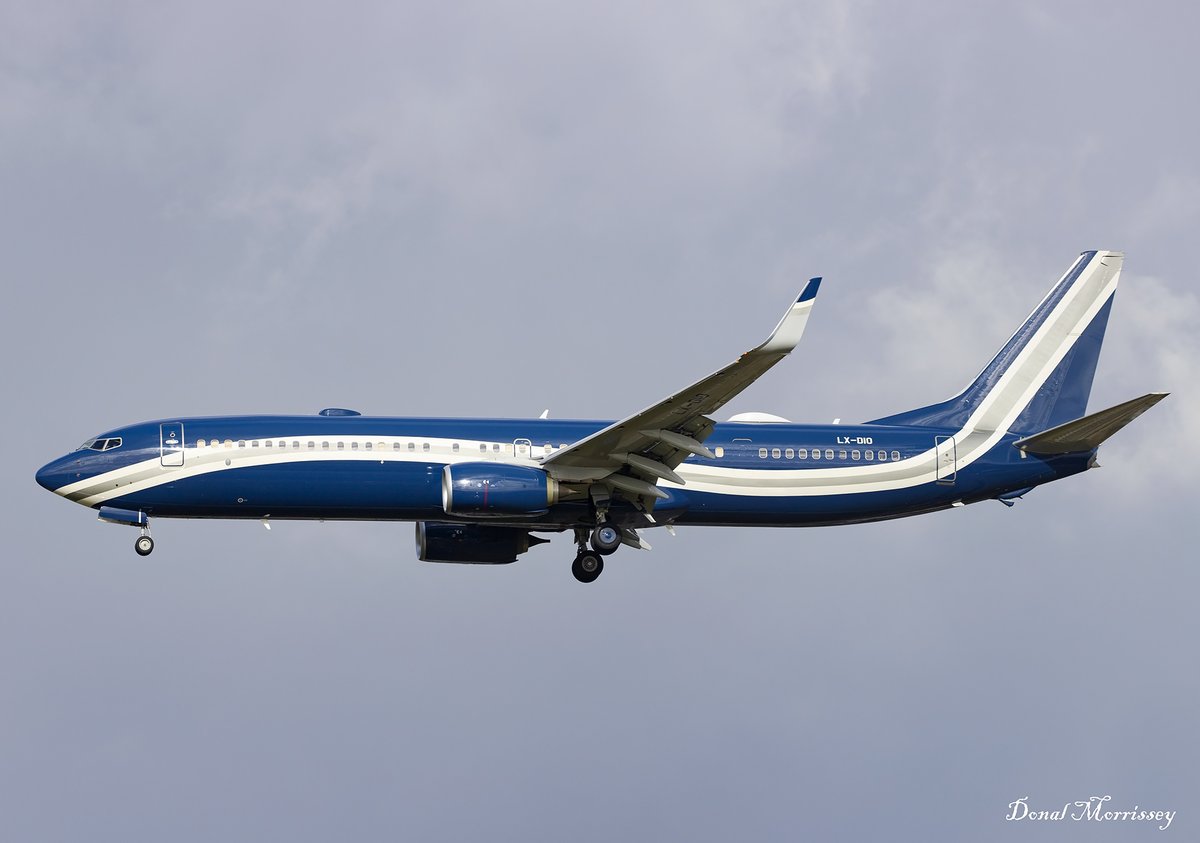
pixel 486 490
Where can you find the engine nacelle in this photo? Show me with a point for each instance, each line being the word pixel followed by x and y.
pixel 472 544
pixel 488 488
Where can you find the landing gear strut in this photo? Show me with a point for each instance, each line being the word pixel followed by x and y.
pixel 587 565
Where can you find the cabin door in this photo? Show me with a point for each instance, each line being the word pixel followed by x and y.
pixel 947 462
pixel 170 439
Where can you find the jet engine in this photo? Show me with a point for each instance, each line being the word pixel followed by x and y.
pixel 472 544
pixel 486 488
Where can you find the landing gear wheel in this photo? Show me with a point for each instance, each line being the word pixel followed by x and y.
pixel 587 567
pixel 606 539
pixel 144 546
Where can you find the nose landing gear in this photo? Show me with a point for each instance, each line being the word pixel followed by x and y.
pixel 144 545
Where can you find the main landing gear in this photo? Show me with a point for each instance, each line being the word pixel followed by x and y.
pixel 587 566
pixel 589 563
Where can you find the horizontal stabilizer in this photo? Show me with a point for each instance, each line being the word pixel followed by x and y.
pixel 1088 432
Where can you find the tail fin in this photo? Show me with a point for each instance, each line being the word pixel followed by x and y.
pixel 1043 375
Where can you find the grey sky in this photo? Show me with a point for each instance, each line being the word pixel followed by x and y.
pixel 489 210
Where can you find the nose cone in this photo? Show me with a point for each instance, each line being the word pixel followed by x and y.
pixel 54 475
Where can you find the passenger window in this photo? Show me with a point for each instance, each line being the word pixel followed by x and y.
pixel 353 446
pixel 412 446
pixel 762 453
pixel 790 453
pixel 829 453
pixel 367 445
pixel 311 444
pixel 802 453
pixel 855 455
pixel 269 443
pixel 282 444
pixel 324 446
pixel 454 447
pixel 547 448
pixel 870 455
pixel 341 446
pixel 395 446
pixel 841 455
pixel 200 443
pixel 719 451
pixel 483 447
pixel 496 448
pixel 424 446
pixel 895 456
pixel 776 453
pixel 254 444
pixel 816 454
pixel 295 444
pixel 241 443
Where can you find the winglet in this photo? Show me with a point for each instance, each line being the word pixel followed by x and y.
pixel 791 327
pixel 810 290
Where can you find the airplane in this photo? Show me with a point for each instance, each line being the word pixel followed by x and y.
pixel 482 490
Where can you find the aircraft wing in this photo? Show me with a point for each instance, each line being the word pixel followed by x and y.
pixel 630 456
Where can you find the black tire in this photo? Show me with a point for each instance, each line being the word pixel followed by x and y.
pixel 606 539
pixel 144 546
pixel 587 567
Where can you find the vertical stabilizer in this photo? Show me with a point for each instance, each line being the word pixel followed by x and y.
pixel 1043 374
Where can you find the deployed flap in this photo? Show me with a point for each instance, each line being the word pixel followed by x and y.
pixel 649 444
pixel 1088 432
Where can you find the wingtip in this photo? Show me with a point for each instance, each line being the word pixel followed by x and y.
pixel 810 290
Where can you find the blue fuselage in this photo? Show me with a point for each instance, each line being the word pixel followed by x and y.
pixel 380 468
